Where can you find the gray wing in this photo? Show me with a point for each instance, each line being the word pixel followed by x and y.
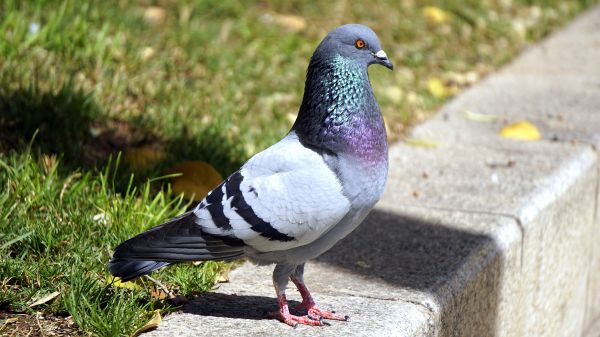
pixel 284 197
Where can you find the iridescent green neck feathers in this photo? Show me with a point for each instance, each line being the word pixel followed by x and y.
pixel 339 112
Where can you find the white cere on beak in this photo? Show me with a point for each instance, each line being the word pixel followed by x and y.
pixel 381 54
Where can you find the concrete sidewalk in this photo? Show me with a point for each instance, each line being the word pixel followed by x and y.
pixel 480 236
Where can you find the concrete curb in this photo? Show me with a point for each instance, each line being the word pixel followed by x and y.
pixel 480 236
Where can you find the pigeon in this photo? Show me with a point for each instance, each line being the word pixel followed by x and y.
pixel 294 200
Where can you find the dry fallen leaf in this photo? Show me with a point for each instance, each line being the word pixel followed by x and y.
pixel 147 53
pixel 522 130
pixel 197 179
pixel 116 282
pixel 394 93
pixel 159 294
pixel 45 299
pixel 478 117
pixel 154 15
pixel 520 27
pixel 10 320
pixel 435 15
pixel 223 277
pixel 151 324
pixel 462 79
pixel 292 22
pixel 437 88
pixel 4 323
pixel 143 158
pixel 291 117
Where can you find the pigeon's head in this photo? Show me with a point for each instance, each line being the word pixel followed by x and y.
pixel 355 42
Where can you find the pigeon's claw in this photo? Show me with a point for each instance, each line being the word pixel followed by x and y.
pixel 293 320
pixel 283 314
pixel 317 312
pixel 309 306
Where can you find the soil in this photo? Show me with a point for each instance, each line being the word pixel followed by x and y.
pixel 21 325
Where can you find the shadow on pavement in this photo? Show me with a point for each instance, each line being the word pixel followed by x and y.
pixel 233 306
pixel 409 253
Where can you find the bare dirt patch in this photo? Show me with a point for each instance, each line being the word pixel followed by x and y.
pixel 12 325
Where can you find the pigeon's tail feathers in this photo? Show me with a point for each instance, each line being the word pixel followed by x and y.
pixel 128 270
pixel 180 239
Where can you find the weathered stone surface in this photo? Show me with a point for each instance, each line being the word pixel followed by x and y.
pixel 555 85
pixel 418 273
pixel 495 178
pixel 449 262
pixel 481 236
pixel 549 191
pixel 238 308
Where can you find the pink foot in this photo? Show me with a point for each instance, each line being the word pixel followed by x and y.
pixel 293 320
pixel 283 314
pixel 318 313
pixel 309 305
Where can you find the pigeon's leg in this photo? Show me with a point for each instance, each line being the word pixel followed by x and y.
pixel 307 301
pixel 280 279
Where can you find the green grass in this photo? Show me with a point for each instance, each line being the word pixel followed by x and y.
pixel 58 229
pixel 213 81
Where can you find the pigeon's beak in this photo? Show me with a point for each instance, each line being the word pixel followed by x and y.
pixel 381 58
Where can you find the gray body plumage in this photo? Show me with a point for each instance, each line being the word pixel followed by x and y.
pixel 296 199
pixel 360 187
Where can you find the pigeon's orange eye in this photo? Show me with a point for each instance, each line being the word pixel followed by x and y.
pixel 360 44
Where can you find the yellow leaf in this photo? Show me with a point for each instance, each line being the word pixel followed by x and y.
pixel 478 117
pixel 291 117
pixel 154 15
pixel 147 53
pixel 435 15
pixel 152 324
pixel 522 130
pixel 421 142
pixel 394 93
pixel 143 158
pixel 292 22
pixel 437 88
pixel 9 321
pixel 197 179
pixel 223 277
pixel 158 294
pixel 116 282
pixel 45 299
pixel 520 27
